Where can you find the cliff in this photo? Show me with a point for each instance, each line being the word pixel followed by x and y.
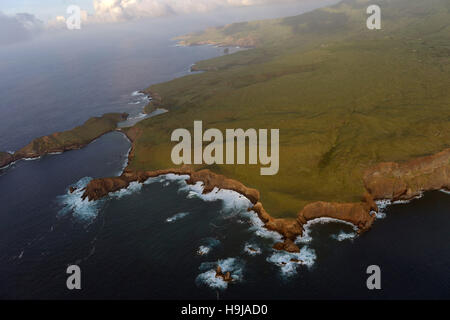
pixel 407 180
pixel 388 181
pixel 5 159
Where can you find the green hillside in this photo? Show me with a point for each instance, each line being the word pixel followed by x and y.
pixel 344 97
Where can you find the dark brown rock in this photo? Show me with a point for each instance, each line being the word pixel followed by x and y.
pixel 5 159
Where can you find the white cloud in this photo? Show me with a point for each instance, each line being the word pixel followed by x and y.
pixel 59 22
pixel 120 10
pixel 19 27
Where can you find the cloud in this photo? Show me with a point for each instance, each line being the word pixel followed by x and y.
pixel 59 22
pixel 122 10
pixel 19 27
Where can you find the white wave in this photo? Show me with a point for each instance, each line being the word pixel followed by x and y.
pixel 74 204
pixel 208 277
pixel 445 191
pixel 252 249
pixel 306 236
pixel 341 236
pixel 232 201
pixel 289 262
pixel 384 204
pixel 137 93
pixel 176 217
pixel 209 244
pixel 233 204
pixel 203 250
pixel 168 178
pixel 31 159
pixel 132 188
pixel 141 98
pixel 125 161
pixel 257 226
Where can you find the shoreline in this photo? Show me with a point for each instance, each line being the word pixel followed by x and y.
pixel 359 214
pixel 54 143
pixel 387 182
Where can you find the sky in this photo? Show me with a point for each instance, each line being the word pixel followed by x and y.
pixel 119 10
pixel 43 9
pixel 22 20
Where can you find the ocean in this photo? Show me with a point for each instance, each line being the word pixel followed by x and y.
pixel 163 239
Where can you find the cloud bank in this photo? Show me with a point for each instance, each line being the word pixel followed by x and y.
pixel 17 28
pixel 122 10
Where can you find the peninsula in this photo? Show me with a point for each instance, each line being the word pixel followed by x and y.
pixel 363 114
pixel 67 140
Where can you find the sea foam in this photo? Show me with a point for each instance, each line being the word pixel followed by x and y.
pixel 208 245
pixel 72 203
pixel 252 249
pixel 208 277
pixel 132 188
pixel 384 204
pixel 341 236
pixel 177 216
pixel 306 236
pixel 289 262
pixel 257 226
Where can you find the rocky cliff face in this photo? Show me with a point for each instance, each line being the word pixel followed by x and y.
pixel 404 181
pixel 391 181
pixel 5 159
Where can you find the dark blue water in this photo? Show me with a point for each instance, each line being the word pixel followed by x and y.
pixel 127 248
pixel 144 242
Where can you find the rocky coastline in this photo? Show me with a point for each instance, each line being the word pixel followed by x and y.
pixel 384 181
pixel 59 142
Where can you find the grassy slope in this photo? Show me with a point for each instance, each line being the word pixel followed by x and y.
pixel 343 97
pixel 76 137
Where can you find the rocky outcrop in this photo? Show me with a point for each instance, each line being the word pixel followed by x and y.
pixel 156 101
pixel 288 245
pixel 407 180
pixel 225 276
pixel 290 229
pixel 212 180
pixel 6 159
pixel 359 214
pixel 391 181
